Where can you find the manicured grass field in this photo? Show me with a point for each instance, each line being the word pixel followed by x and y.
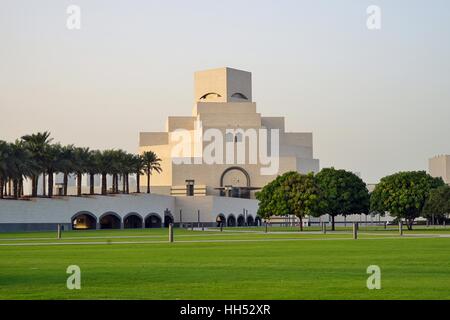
pixel 235 264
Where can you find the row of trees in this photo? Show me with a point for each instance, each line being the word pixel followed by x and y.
pixel 405 195
pixel 35 156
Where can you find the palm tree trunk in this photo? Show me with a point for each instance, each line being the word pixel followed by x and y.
pixel 43 184
pixel 148 181
pixel 36 185
pixel 20 187
pixel 124 185
pixel 91 183
pixel 138 182
pixel 127 182
pixel 65 182
pixel 301 223
pixel 16 188
pixel 332 222
pixel 1 187
pixel 33 185
pixel 79 180
pixel 9 187
pixel 50 184
pixel 104 187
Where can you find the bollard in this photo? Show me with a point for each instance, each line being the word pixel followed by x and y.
pixel 400 228
pixel 170 232
pixel 355 230
pixel 59 231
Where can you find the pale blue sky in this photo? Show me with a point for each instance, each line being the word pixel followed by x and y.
pixel 377 101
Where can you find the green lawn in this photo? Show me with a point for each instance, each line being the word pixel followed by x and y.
pixel 235 264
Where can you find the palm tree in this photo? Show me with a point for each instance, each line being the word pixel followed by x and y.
pixel 4 166
pixel 23 166
pixel 66 164
pixel 137 168
pixel 15 165
pixel 118 167
pixel 93 168
pixel 106 166
pixel 36 143
pixel 151 163
pixel 127 167
pixel 80 165
pixel 53 164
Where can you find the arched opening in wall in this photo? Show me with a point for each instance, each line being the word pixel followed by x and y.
pixel 153 221
pixel 210 96
pixel 241 221
pixel 258 221
pixel 109 220
pixel 250 221
pixel 221 220
pixel 235 182
pixel 239 95
pixel 168 219
pixel 132 221
pixel 84 221
pixel 231 221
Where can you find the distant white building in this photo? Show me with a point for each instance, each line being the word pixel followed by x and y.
pixel 439 166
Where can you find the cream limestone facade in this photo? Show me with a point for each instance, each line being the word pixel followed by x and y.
pixel 254 151
pixel 439 166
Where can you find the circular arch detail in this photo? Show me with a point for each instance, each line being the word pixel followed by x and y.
pixel 247 176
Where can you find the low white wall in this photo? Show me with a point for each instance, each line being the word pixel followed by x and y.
pixel 61 210
pixel 45 214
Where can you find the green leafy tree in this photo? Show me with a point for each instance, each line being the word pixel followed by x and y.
pixel 302 195
pixel 438 203
pixel 403 194
pixel 291 193
pixel 344 192
pixel 270 202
